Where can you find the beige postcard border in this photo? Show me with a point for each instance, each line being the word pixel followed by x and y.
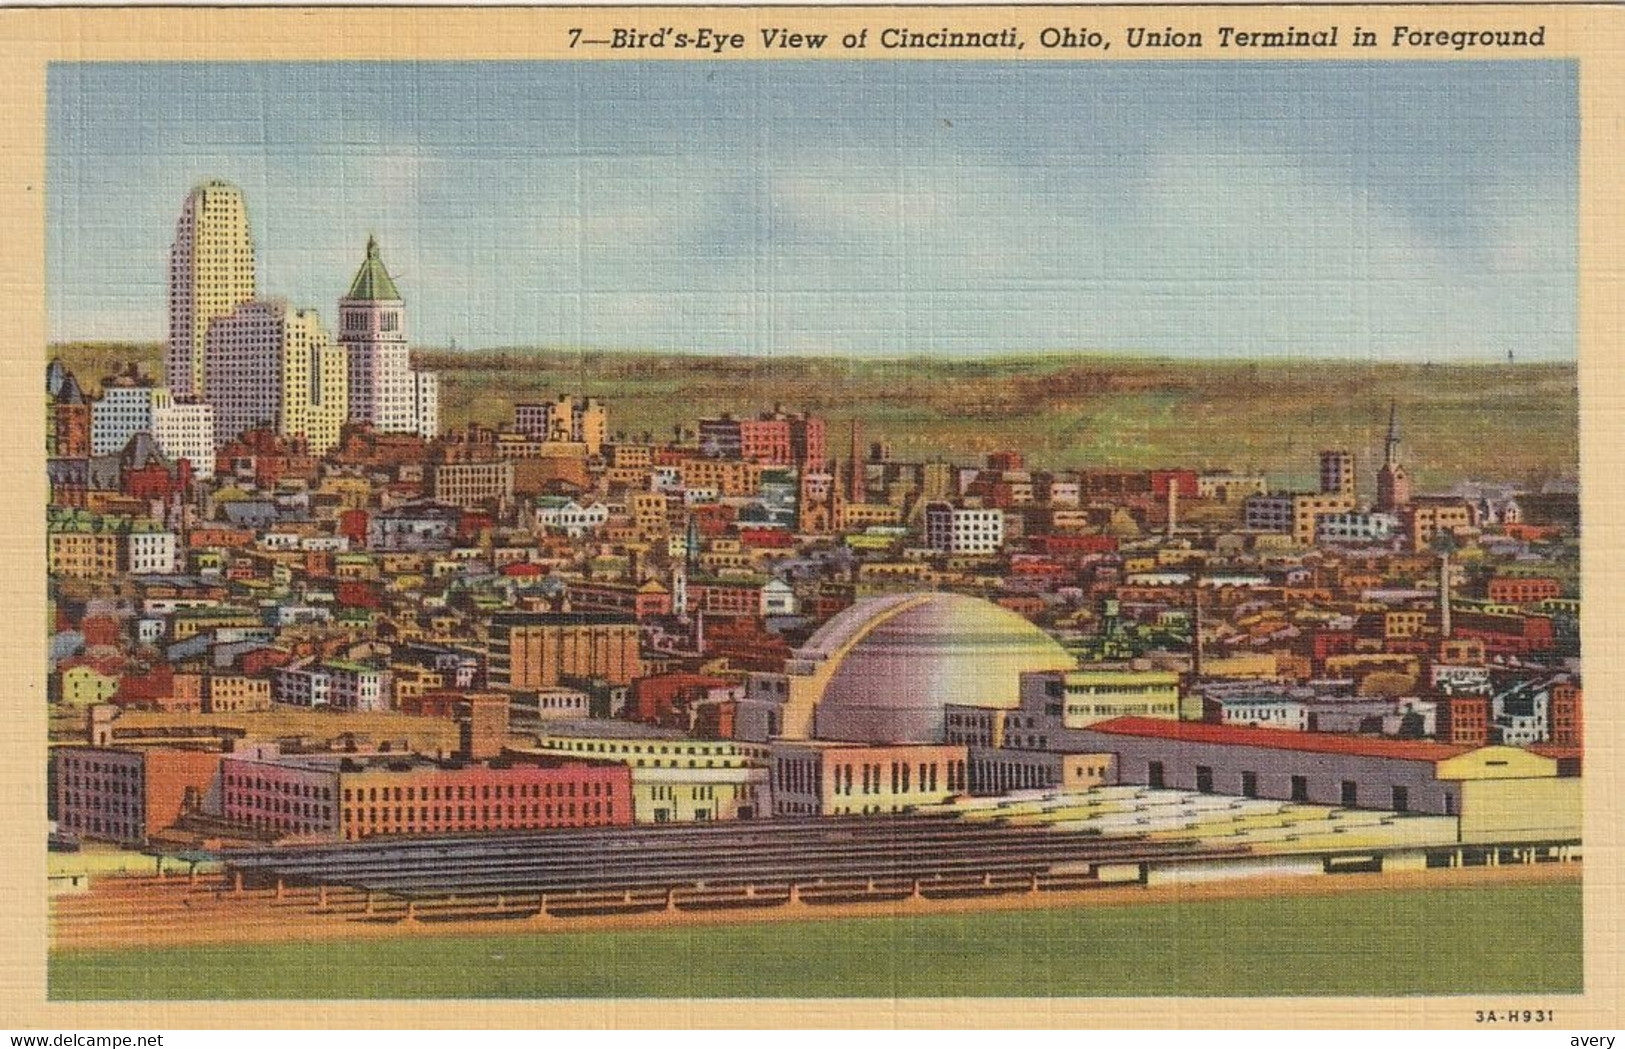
pixel 29 39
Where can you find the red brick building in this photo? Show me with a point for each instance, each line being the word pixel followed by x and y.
pixel 338 798
pixel 1566 715
pixel 128 795
pixel 1513 590
pixel 1506 635
pixel 665 699
pixel 1463 720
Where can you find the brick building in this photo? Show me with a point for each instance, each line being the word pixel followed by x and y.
pixel 127 795
pixel 347 798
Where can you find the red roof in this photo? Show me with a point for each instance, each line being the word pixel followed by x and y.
pixel 1279 739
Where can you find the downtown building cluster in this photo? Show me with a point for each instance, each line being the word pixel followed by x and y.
pixel 339 622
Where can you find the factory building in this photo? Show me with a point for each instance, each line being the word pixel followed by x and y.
pixel 126 795
pixel 1497 793
pixel 332 797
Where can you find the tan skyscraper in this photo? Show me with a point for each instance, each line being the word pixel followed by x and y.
pixel 211 271
pixel 272 365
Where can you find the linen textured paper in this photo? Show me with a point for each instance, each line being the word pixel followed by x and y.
pixel 920 516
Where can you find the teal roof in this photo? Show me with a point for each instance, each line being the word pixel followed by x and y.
pixel 372 282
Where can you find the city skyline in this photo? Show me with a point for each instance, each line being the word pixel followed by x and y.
pixel 1184 212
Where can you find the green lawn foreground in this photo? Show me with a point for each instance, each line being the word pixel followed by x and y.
pixel 1502 939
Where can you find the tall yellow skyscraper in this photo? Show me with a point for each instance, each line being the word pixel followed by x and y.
pixel 211 271
pixel 315 382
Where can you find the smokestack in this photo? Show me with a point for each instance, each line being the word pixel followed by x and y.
pixel 1196 634
pixel 1173 506
pixel 855 491
pixel 1444 595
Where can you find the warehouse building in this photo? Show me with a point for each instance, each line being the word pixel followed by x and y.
pixel 349 797
pixel 1497 793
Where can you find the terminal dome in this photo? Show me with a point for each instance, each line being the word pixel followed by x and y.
pixel 890 664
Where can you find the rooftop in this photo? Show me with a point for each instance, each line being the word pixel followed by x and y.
pixel 1279 739
pixel 372 281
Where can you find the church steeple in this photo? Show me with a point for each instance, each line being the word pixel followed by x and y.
pixel 1391 458
pixel 1393 483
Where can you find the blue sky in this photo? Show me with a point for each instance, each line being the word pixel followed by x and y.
pixel 1397 211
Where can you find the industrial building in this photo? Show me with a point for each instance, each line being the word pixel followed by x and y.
pixel 336 797
pixel 128 794
pixel 1497 793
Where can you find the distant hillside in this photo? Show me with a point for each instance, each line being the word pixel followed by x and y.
pixel 1064 410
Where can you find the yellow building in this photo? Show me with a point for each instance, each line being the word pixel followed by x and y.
pixel 863 515
pixel 1265 666
pixel 351 493
pixel 211 272
pixel 1308 508
pixel 81 686
pixel 1406 623
pixel 410 681
pixel 649 512
pixel 1083 697
pixel 1512 794
pixel 698 795
pixel 189 622
pixel 676 779
pixel 728 477
pixel 82 545
pixel 237 693
pixel 315 383
pixel 837 779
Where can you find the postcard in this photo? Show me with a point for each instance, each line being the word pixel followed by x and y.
pixel 942 517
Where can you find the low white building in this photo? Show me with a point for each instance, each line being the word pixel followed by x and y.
pixel 301 685
pixel 778 598
pixel 355 686
pixel 124 409
pixel 151 551
pixel 186 431
pixel 572 518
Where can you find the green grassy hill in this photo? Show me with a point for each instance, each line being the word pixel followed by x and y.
pixel 1063 410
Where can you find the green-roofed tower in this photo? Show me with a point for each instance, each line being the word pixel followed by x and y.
pixel 372 281
pixel 384 390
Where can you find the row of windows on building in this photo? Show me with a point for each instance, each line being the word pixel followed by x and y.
pixel 486 815
pixel 1003 776
pixel 871 781
pixel 596 789
pixel 125 786
pixel 706 793
pixel 304 790
pixel 1112 710
pixel 75 821
pixel 237 799
pixel 637 748
pixel 100 803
